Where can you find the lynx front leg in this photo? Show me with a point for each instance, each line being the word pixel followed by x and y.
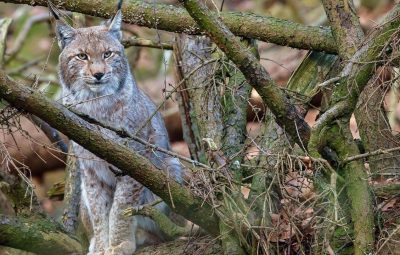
pixel 97 197
pixel 123 228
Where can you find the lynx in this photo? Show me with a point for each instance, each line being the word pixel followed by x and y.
pixel 96 80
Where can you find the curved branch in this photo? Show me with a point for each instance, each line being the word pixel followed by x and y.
pixel 359 69
pixel 131 163
pixel 175 19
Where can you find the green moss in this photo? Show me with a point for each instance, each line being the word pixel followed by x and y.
pixel 131 163
pixel 36 234
pixel 175 19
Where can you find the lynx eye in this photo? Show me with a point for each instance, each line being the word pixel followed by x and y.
pixel 107 54
pixel 82 56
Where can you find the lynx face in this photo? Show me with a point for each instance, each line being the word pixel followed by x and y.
pixel 92 61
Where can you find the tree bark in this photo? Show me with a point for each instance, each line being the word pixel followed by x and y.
pixel 332 127
pixel 285 113
pixel 36 234
pixel 175 19
pixel 210 118
pixel 131 163
pixel 72 195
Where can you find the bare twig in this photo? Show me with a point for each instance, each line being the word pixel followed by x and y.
pixel 25 66
pixel 173 91
pixel 328 82
pixel 372 153
pixel 125 134
pixel 130 162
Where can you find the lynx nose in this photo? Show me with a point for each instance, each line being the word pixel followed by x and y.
pixel 98 76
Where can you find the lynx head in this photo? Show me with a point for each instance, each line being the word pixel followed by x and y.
pixel 92 59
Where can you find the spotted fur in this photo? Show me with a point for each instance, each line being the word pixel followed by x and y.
pixel 115 100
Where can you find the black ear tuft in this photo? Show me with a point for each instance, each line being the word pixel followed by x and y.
pixel 115 23
pixel 119 6
pixel 53 9
pixel 65 33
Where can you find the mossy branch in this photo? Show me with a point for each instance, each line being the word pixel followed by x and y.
pixel 175 19
pixel 334 122
pixel 131 163
pixel 355 77
pixel 360 69
pixel 345 24
pixel 38 235
pixel 285 112
pixel 169 228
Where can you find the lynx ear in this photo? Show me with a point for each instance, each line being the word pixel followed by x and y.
pixel 115 23
pixel 65 33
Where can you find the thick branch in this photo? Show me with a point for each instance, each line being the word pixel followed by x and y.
pixel 360 69
pixel 346 27
pixel 72 195
pixel 255 74
pixel 166 225
pixel 203 245
pixel 349 35
pixel 175 19
pixel 339 137
pixel 131 163
pixel 38 235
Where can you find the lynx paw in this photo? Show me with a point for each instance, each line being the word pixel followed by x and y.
pixel 124 248
pixel 132 210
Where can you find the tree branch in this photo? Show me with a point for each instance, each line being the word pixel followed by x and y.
pixel 358 71
pixel 175 19
pixel 4 24
pixel 346 27
pixel 372 153
pixel 134 41
pixel 72 195
pixel 19 42
pixel 357 200
pixel 38 235
pixel 125 134
pixel 131 163
pixel 285 112
pixel 51 133
pixel 169 228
